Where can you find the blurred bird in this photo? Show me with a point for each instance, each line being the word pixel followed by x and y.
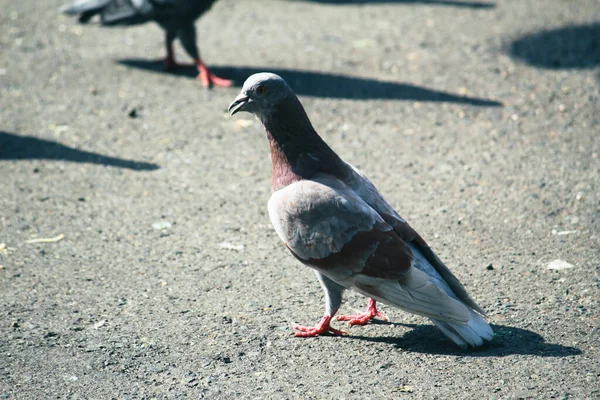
pixel 333 219
pixel 176 17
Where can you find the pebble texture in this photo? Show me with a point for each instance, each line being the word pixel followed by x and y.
pixel 477 120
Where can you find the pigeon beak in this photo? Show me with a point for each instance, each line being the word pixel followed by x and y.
pixel 238 104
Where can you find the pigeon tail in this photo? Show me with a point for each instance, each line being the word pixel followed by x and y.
pixel 473 333
pixel 417 295
pixel 86 9
pixel 112 12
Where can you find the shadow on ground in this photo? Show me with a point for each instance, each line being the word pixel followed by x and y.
pixel 452 3
pixel 319 84
pixel 507 341
pixel 569 47
pixel 16 147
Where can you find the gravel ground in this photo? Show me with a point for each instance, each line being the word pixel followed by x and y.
pixel 479 121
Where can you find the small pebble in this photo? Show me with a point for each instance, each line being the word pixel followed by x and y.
pixel 161 225
pixel 99 324
pixel 559 265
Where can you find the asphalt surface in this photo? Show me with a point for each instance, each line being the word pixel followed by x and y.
pixel 479 121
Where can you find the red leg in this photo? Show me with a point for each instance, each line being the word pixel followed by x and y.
pixel 208 78
pixel 363 318
pixel 322 328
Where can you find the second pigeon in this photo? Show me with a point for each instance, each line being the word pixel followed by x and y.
pixel 176 17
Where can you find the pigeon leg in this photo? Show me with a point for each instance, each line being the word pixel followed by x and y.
pixel 322 328
pixel 363 318
pixel 208 78
pixel 333 299
pixel 187 37
pixel 169 60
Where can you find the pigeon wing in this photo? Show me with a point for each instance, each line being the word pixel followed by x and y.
pixel 369 193
pixel 316 218
pixel 328 227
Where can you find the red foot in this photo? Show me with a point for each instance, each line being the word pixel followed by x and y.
pixel 322 328
pixel 208 78
pixel 363 318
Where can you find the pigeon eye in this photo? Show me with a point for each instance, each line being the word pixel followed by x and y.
pixel 261 90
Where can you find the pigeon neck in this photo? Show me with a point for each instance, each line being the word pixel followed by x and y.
pixel 297 151
pixel 282 173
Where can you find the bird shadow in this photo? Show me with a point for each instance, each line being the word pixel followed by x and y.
pixel 320 84
pixel 507 341
pixel 568 47
pixel 16 147
pixel 451 3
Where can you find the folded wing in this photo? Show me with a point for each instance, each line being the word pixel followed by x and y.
pixel 327 226
pixel 363 187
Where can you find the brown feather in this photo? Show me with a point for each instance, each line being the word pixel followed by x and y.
pixel 374 253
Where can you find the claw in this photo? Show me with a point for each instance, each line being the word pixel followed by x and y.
pixel 208 78
pixel 322 328
pixel 363 318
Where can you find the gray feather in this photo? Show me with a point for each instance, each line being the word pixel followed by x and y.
pixel 170 14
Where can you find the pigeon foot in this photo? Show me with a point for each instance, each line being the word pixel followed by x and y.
pixel 363 318
pixel 209 79
pixel 322 328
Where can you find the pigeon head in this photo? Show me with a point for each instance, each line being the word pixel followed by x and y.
pixel 297 150
pixel 261 94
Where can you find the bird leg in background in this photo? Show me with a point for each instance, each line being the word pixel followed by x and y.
pixel 169 60
pixel 204 75
pixel 208 78
pixel 187 37
pixel 363 318
pixel 322 328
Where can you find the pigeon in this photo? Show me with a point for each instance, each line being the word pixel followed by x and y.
pixel 176 17
pixel 334 220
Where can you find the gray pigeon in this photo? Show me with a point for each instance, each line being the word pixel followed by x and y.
pixel 333 219
pixel 176 17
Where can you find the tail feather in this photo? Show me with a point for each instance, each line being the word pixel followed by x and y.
pixel 473 333
pixel 86 9
pixel 112 12
pixel 417 294
pixel 423 291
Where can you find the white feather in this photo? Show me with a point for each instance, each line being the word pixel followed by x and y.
pixel 472 334
pixel 418 294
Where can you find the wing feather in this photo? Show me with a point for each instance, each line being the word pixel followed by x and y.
pixel 416 293
pixel 369 193
pixel 327 226
pixel 316 218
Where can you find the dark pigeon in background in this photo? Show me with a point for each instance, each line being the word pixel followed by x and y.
pixel 176 17
pixel 332 218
